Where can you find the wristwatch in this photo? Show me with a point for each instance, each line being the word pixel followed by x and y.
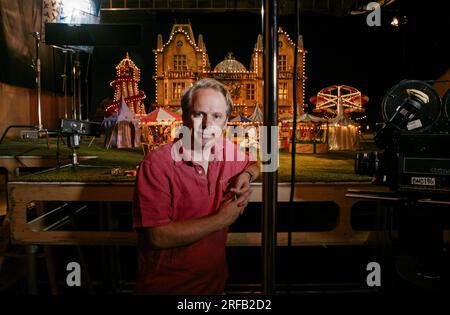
pixel 251 176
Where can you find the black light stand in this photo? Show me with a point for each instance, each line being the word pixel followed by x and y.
pixel 75 65
pixel 78 83
pixel 38 131
pixel 86 82
pixel 73 142
pixel 72 62
pixel 64 82
pixel 37 70
pixel 73 130
pixel 75 78
pixel 68 63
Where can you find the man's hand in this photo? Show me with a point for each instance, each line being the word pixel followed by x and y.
pixel 241 184
pixel 232 208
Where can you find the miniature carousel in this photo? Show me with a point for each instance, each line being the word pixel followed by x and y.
pixel 338 103
pixel 311 136
pixel 159 127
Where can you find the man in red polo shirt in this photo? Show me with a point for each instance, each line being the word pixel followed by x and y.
pixel 187 194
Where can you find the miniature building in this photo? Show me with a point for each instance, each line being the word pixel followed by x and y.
pixel 286 72
pixel 181 61
pixel 243 85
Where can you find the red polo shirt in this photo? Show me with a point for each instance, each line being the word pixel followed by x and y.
pixel 170 187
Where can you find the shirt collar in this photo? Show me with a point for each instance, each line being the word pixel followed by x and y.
pixel 181 154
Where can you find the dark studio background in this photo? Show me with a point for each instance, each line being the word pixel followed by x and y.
pixel 341 49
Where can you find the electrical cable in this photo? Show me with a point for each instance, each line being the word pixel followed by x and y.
pixel 293 141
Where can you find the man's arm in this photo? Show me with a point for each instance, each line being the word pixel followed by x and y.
pixel 182 233
pixel 253 170
pixel 242 182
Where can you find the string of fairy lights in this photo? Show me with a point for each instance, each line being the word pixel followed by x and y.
pixel 129 74
pixel 302 53
pixel 229 74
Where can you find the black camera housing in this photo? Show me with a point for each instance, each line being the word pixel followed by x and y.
pixel 70 127
pixel 413 161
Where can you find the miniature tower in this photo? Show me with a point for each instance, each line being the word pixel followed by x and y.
pixel 126 85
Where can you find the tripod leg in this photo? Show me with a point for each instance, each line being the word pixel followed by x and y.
pixel 47 138
pixel 92 141
pixel 62 139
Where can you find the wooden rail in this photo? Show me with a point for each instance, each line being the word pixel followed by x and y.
pixel 21 194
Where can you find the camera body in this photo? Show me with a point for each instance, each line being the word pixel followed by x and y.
pixel 69 127
pixel 73 129
pixel 415 139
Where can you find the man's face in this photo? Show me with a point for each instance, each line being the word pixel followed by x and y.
pixel 207 116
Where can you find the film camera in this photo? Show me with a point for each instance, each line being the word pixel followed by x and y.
pixel 415 138
pixel 81 127
pixel 73 129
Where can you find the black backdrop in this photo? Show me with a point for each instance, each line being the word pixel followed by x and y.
pixel 342 50
pixel 17 46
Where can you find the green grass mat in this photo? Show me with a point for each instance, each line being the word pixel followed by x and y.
pixel 330 167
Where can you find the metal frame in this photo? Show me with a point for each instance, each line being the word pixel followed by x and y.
pixel 270 179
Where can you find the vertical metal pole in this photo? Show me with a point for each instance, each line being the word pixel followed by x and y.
pixel 74 87
pixel 37 70
pixel 64 77
pixel 78 66
pixel 86 82
pixel 269 236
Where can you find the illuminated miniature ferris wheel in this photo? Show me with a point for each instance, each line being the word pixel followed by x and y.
pixel 339 101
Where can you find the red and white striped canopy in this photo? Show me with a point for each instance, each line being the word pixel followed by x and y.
pixel 160 115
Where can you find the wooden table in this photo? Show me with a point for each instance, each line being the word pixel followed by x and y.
pixel 12 164
pixel 21 194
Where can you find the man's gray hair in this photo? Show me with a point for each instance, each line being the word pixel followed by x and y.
pixel 208 83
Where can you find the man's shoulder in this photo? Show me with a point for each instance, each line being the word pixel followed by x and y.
pixel 160 155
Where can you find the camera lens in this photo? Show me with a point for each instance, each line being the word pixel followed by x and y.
pixel 362 163
pixel 367 163
pixel 412 106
